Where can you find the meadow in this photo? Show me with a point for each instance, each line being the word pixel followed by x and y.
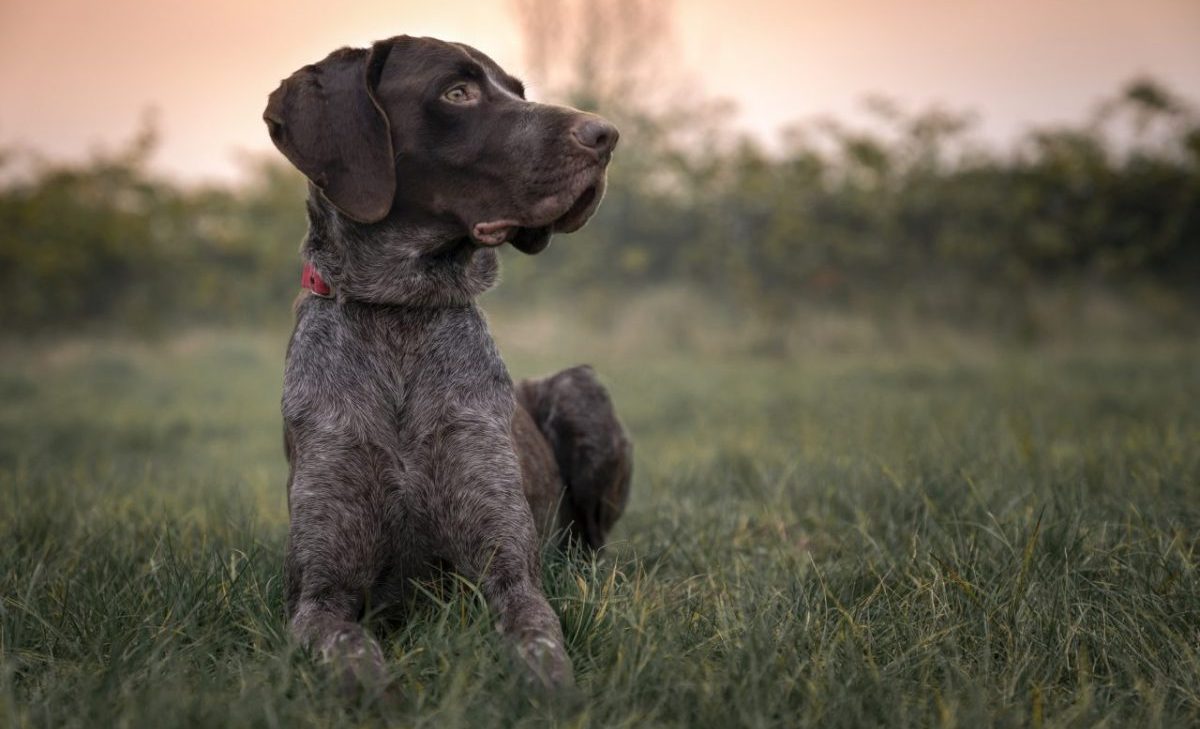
pixel 837 531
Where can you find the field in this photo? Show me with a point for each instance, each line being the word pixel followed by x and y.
pixel 950 534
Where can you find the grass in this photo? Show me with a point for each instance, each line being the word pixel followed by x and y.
pixel 895 537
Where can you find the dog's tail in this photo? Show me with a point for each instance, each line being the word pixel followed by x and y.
pixel 594 454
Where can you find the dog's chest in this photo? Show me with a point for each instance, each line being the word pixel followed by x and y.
pixel 394 379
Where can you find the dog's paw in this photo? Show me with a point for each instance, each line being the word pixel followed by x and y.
pixel 358 661
pixel 548 665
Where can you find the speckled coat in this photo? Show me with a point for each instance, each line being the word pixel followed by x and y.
pixel 408 451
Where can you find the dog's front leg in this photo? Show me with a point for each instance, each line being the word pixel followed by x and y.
pixel 491 537
pixel 332 561
pixel 525 617
pixel 325 625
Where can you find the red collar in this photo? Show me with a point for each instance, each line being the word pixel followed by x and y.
pixel 312 281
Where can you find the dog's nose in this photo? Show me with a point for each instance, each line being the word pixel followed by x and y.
pixel 596 134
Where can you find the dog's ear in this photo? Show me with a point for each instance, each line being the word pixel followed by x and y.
pixel 327 121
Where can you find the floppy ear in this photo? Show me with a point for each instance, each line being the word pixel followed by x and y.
pixel 326 120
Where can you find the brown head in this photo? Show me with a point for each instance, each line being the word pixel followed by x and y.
pixel 437 135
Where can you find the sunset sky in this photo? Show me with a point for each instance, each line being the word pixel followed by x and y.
pixel 75 74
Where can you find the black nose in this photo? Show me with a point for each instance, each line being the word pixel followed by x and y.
pixel 596 134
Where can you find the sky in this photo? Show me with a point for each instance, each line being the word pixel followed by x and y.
pixel 80 75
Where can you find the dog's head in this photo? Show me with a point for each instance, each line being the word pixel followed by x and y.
pixel 425 131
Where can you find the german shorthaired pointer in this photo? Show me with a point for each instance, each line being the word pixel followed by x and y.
pixel 409 447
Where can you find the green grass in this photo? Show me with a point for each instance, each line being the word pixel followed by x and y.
pixel 911 537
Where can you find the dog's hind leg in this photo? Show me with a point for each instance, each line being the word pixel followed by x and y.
pixel 595 457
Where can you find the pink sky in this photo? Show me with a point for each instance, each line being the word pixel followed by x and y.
pixel 75 74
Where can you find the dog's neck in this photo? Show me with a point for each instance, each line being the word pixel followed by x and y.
pixel 393 262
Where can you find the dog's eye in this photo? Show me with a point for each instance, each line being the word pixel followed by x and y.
pixel 462 93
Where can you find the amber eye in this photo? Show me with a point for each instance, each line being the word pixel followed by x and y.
pixel 461 93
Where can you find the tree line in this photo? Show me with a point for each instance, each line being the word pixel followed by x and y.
pixel 906 209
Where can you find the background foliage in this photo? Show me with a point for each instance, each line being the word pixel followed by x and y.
pixel 907 213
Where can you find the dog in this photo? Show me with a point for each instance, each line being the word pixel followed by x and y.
pixel 409 448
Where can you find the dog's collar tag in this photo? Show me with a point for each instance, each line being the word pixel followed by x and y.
pixel 312 281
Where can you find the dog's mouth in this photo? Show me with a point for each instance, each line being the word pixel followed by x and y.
pixel 579 212
pixel 532 235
